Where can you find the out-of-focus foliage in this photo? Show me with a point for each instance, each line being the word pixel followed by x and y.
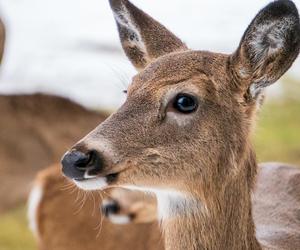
pixel 14 233
pixel 277 135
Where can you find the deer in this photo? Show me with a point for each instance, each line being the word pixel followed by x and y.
pixel 60 196
pixel 184 134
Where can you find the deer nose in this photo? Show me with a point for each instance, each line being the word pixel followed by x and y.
pixel 79 166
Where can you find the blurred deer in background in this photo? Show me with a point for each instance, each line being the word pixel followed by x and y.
pixel 62 219
pixel 34 132
pixel 184 135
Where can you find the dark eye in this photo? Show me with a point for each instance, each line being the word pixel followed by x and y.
pixel 185 103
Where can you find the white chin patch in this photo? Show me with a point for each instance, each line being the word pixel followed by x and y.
pixel 170 202
pixel 97 183
pixel 119 219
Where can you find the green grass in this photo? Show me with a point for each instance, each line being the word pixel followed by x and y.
pixel 14 233
pixel 278 132
pixel 277 138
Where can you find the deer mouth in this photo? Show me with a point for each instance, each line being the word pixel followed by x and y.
pixel 96 182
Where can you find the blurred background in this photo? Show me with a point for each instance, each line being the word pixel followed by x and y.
pixel 70 48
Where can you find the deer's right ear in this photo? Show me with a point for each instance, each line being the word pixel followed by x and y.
pixel 268 48
pixel 143 38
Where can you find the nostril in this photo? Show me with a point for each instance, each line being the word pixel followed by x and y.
pixel 82 161
pixel 79 165
pixel 77 159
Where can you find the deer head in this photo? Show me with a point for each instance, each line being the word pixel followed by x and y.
pixel 184 129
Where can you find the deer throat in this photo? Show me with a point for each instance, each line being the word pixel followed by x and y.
pixel 222 220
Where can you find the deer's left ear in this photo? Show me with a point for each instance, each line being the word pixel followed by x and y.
pixel 268 48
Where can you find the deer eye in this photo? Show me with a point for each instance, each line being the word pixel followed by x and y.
pixel 185 103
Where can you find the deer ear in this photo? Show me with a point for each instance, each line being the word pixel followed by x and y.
pixel 2 39
pixel 143 38
pixel 269 46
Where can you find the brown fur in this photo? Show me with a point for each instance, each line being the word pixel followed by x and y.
pixel 206 155
pixel 276 206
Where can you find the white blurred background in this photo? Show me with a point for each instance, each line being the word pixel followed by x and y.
pixel 71 47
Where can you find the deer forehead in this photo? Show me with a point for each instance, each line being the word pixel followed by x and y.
pixel 205 69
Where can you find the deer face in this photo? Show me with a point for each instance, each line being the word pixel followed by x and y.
pixel 169 123
pixel 188 114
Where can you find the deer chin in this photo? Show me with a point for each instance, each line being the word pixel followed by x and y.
pixel 93 183
pixel 97 183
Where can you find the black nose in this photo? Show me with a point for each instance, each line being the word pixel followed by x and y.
pixel 78 165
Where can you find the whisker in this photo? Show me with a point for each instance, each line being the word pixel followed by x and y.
pixel 82 203
pixel 99 227
pixel 67 186
pixel 94 204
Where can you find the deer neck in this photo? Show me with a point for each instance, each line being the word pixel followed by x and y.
pixel 222 221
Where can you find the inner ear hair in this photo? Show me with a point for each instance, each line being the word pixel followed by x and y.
pixel 269 46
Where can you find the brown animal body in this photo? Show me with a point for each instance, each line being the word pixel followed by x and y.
pixel 193 150
pixel 276 203
pixel 61 221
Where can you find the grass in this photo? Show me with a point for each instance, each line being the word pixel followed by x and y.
pixel 278 133
pixel 277 138
pixel 14 233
